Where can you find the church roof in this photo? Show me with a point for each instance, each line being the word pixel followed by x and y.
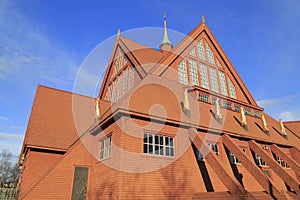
pixel 294 126
pixel 51 124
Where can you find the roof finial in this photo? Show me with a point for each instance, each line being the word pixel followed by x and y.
pixel 165 40
pixel 283 131
pixel 186 104
pixel 119 32
pixel 97 109
pixel 203 19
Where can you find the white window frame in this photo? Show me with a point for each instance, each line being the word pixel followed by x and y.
pixel 204 76
pixel 120 83
pixel 223 84
pixel 114 91
pixel 105 147
pixel 200 50
pixel 210 54
pixel 193 72
pixel 125 84
pixel 182 72
pixel 131 77
pixel 158 145
pixel 259 161
pixel 281 162
pixel 214 148
pixel 232 91
pixel 213 79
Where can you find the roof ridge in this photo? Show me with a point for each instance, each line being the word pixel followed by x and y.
pixel 293 121
pixel 64 91
pixel 137 43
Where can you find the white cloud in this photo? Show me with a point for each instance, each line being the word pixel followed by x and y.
pixel 272 102
pixel 287 116
pixel 285 108
pixel 11 142
pixel 30 55
pixel 3 118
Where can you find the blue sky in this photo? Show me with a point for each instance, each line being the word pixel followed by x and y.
pixel 45 42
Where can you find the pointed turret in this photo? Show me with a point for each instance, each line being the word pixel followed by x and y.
pixel 165 45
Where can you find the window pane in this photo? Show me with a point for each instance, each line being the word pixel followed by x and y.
pixel 150 139
pixel 204 76
pixel 161 140
pixel 200 49
pixel 167 140
pixel 151 149
pixel 213 79
pixel 131 74
pixel 182 72
pixel 156 149
pixel 223 83
pixel 210 55
pixel 171 142
pixel 172 152
pixel 231 88
pixel 167 151
pixel 146 148
pixel 125 86
pixel 193 72
pixel 156 140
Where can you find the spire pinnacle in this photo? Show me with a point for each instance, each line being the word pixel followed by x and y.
pixel 119 32
pixel 203 19
pixel 165 42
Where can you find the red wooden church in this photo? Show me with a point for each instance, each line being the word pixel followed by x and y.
pixel 174 123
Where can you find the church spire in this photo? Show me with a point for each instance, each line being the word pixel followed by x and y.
pixel 165 44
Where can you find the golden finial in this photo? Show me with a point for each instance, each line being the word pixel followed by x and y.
pixel 119 32
pixel 97 108
pixel 243 118
pixel 218 109
pixel 283 132
pixel 265 125
pixel 203 19
pixel 186 104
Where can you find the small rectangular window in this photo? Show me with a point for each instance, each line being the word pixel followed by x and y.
pixel 158 145
pixel 105 148
pixel 281 162
pixel 227 105
pixel 232 158
pixel 237 108
pixel 215 148
pixel 257 114
pixel 204 98
pixel 248 111
pixel 259 161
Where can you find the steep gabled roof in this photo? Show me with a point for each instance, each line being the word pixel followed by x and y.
pixel 51 124
pixel 190 40
pixel 294 126
pixel 141 57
